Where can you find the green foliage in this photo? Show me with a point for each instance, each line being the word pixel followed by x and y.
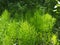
pixel 43 22
pixel 5 15
pixel 27 34
pixel 28 22
pixel 3 25
pixel 54 39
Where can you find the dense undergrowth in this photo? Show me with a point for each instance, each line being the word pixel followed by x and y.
pixel 29 22
pixel 28 30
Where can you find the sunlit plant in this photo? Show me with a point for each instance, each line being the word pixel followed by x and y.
pixel 27 34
